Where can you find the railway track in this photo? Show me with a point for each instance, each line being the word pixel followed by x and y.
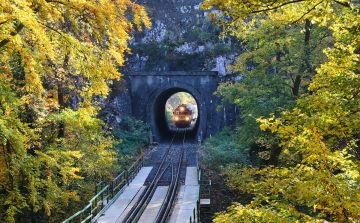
pixel 169 164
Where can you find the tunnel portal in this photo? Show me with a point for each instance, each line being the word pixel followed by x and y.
pixel 151 90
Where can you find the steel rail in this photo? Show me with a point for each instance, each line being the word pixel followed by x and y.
pixel 131 216
pixel 168 202
pixel 167 196
pixel 141 211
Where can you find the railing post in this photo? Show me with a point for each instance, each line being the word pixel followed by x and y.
pixel 127 177
pixel 102 200
pixel 198 210
pixel 112 189
pixel 91 208
pixel 137 166
pixel 210 196
pixel 194 215
pixel 108 193
pixel 141 155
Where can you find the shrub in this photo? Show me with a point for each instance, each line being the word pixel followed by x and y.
pixel 197 34
pixel 130 137
pixel 223 149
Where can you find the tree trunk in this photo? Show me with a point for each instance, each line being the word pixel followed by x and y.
pixel 18 28
pixel 305 66
pixel 307 32
pixel 278 57
pixel 274 156
pixel 61 97
pixel 307 43
pixel 61 101
pixel 296 87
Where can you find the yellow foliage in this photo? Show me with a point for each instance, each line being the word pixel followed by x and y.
pixel 50 50
pixel 322 130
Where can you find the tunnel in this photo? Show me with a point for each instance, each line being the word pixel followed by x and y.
pixel 151 90
pixel 162 129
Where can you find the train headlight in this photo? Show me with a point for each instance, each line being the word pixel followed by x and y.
pixel 176 118
pixel 187 118
pixel 181 108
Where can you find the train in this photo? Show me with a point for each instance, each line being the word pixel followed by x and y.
pixel 183 116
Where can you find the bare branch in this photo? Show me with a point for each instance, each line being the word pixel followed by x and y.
pixel 63 3
pixel 17 30
pixel 346 4
pixel 276 7
pixel 4 22
pixel 307 12
pixel 49 27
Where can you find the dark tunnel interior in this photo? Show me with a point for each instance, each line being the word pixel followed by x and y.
pixel 162 128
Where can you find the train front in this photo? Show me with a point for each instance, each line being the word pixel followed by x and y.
pixel 182 117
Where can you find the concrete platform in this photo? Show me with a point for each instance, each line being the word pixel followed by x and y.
pixel 154 205
pixel 191 178
pixel 186 198
pixel 119 206
pixel 129 207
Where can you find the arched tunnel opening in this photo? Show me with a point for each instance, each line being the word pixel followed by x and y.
pixel 163 107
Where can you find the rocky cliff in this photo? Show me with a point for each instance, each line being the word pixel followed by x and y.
pixel 181 39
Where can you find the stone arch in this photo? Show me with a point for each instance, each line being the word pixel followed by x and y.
pixel 155 109
pixel 150 90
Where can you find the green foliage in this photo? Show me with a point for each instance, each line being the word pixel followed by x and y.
pixel 217 30
pixel 174 40
pixel 219 48
pixel 170 115
pixel 130 137
pixel 152 50
pixel 222 149
pixel 255 100
pixel 179 98
pixel 199 35
pixel 222 48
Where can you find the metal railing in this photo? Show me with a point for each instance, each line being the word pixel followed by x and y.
pixel 195 215
pixel 134 169
pixel 89 211
pixel 109 191
pixel 205 192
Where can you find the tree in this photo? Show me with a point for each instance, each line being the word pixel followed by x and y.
pixel 322 184
pixel 51 51
pixel 280 59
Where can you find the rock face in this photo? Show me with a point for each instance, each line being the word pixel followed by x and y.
pixel 181 39
pixel 116 106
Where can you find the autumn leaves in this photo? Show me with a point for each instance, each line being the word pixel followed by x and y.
pixel 48 150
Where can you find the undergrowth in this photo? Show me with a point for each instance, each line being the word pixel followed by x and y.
pixel 132 136
pixel 222 149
